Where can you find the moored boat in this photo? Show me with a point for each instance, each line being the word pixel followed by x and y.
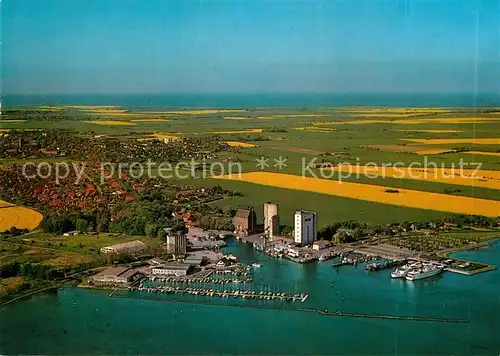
pixel 426 271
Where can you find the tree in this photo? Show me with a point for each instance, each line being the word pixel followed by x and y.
pixel 82 224
pixel 103 221
pixel 162 235
pixel 151 229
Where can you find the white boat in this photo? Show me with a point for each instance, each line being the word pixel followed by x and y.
pixel 323 257
pixel 256 265
pixel 428 270
pixel 402 272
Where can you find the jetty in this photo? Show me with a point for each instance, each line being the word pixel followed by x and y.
pixel 234 293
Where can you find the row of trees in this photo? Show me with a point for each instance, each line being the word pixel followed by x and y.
pixel 30 270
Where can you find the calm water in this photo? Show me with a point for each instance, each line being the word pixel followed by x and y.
pixel 259 100
pixel 76 321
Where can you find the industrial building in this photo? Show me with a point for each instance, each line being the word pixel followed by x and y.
pixel 173 269
pixel 305 227
pixel 271 219
pixel 245 221
pixel 129 248
pixel 115 276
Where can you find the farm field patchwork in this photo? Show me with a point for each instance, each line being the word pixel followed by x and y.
pixel 373 193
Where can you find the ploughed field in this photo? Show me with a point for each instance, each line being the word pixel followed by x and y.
pixel 356 135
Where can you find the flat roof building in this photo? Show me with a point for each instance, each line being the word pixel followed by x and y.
pixel 131 248
pixel 172 269
pixel 115 276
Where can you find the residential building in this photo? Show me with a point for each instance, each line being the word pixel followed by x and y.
pixel 172 269
pixel 271 219
pixel 245 221
pixel 305 226
pixel 129 248
pixel 115 276
pixel 176 243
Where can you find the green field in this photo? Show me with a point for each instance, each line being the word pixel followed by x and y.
pixel 351 143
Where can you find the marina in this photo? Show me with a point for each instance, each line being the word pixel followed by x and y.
pixel 362 300
pixel 234 293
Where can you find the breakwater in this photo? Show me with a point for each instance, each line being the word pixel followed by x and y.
pixel 322 312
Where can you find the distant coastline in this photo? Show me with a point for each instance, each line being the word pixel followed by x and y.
pixel 268 100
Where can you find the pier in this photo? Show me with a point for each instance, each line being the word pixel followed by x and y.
pixel 234 293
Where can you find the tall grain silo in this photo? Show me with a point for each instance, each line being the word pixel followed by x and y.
pixel 271 219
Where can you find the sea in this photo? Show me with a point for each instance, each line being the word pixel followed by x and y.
pixel 262 100
pixel 75 321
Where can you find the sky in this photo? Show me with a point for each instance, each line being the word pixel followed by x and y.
pixel 251 46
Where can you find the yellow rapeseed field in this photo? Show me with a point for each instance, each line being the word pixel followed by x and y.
pixel 468 177
pixel 18 216
pixel 444 141
pixel 315 129
pixel 373 193
pixel 106 111
pixel 91 107
pixel 291 116
pixel 202 112
pixel 431 131
pixel 419 121
pixel 433 151
pixel 160 136
pixel 240 144
pixel 150 120
pixel 417 149
pixel 237 131
pixel 237 118
pixel 111 123
pixel 397 110
pixel 483 153
pixel 11 121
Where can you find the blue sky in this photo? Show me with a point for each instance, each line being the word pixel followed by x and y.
pixel 165 46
